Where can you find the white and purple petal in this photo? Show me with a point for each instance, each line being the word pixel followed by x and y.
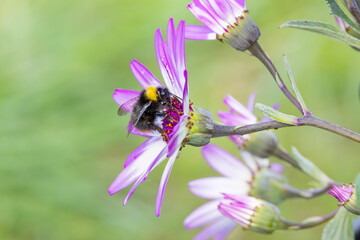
pixel 225 163
pixel 123 96
pixel 137 164
pixel 234 105
pixel 218 230
pixel 203 215
pixel 214 187
pixel 198 32
pixel 143 75
pixel 206 18
pixel 163 182
pixel 150 165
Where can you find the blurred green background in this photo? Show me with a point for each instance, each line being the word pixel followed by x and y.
pixel 62 143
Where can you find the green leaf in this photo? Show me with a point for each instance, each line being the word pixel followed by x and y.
pixel 276 115
pixel 339 9
pixel 324 29
pixel 309 168
pixel 294 87
pixel 357 189
pixel 340 227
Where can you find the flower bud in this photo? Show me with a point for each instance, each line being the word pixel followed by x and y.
pixel 261 144
pixel 201 126
pixel 347 197
pixel 242 34
pixel 254 214
pixel 267 185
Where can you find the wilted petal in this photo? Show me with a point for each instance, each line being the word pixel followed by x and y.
pixel 203 215
pixel 143 75
pixel 198 32
pixel 225 163
pixel 123 96
pixel 214 187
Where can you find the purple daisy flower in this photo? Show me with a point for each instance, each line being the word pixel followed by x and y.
pixel 171 59
pixel 238 115
pixel 260 144
pixel 224 20
pixel 238 179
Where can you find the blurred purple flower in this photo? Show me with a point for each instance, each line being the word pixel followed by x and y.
pixel 346 196
pixel 238 179
pixel 224 20
pixel 171 59
pixel 239 115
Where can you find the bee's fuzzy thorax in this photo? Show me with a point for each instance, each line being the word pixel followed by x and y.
pixel 150 93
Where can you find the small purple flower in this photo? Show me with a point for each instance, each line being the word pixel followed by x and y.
pixel 260 144
pixel 171 59
pixel 238 179
pixel 224 20
pixel 346 196
pixel 251 213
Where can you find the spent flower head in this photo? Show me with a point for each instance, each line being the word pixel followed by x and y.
pixel 226 20
pixel 347 197
pixel 174 122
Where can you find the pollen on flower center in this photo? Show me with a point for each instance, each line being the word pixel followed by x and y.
pixel 173 114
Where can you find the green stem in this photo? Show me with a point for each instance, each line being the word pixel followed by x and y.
pixel 328 126
pixel 259 53
pixel 308 223
pixel 310 120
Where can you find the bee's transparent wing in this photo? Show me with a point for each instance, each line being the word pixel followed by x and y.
pixel 132 125
pixel 127 107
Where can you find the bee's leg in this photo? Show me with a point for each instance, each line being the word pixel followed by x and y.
pixel 160 114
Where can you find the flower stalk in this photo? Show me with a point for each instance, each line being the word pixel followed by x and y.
pixel 309 222
pixel 310 120
pixel 259 53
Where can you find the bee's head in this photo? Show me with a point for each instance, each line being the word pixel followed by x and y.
pixel 163 95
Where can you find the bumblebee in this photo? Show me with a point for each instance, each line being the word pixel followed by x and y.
pixel 148 109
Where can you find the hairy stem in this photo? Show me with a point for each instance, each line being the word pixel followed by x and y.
pixel 308 223
pixel 330 127
pixel 308 193
pixel 284 155
pixel 259 53
pixel 310 120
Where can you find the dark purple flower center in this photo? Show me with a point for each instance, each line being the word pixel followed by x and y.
pixel 173 114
